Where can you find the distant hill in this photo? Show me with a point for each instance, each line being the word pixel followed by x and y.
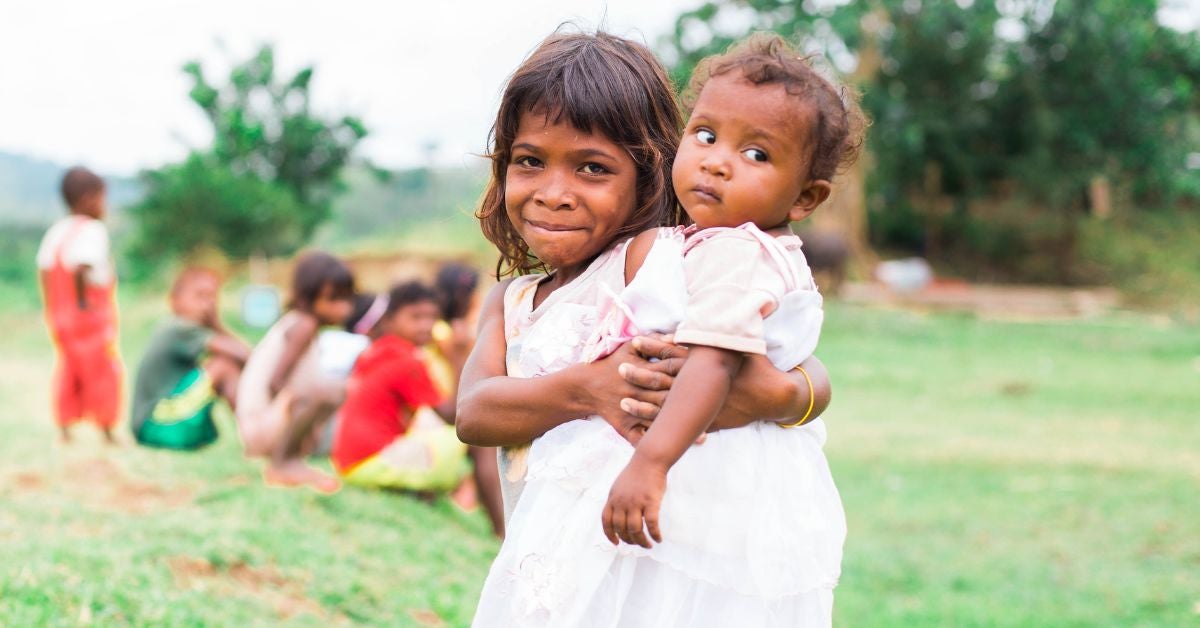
pixel 29 190
pixel 370 207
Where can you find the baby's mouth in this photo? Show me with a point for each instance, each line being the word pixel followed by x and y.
pixel 707 193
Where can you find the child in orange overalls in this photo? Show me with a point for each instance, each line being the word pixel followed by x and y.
pixel 78 287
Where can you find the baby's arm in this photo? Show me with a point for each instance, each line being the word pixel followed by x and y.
pixel 698 394
pixel 759 392
pixel 296 340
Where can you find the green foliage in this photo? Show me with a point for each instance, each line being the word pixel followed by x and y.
pixel 1152 255
pixel 202 203
pixel 267 182
pixel 18 272
pixel 1012 101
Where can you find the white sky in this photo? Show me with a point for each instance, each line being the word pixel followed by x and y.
pixel 99 81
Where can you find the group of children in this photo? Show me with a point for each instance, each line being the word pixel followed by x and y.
pixel 678 483
pixel 382 369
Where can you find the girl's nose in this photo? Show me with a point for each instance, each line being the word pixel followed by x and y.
pixel 555 194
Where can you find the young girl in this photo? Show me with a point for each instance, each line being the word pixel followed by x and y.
pixel 386 438
pixel 582 152
pixel 283 395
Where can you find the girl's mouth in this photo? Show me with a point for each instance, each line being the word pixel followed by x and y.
pixel 548 226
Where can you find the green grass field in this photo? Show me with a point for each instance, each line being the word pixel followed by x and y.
pixel 994 474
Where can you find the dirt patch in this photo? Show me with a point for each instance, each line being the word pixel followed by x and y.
pixel 28 481
pixel 265 584
pixel 991 301
pixel 426 617
pixel 105 484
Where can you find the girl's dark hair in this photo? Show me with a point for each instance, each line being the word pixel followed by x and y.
pixel 315 270
pixel 455 285
pixel 408 293
pixel 362 304
pixel 767 59
pixel 599 83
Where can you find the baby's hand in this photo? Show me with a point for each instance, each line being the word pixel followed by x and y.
pixel 633 504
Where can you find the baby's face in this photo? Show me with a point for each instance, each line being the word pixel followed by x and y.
pixel 744 156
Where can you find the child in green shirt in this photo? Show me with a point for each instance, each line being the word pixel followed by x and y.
pixel 189 363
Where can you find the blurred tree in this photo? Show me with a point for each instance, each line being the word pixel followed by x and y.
pixel 267 182
pixel 202 204
pixel 991 98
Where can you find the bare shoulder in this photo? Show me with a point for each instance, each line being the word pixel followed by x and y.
pixel 303 327
pixel 493 303
pixel 636 252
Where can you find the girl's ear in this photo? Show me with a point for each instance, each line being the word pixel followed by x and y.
pixel 811 197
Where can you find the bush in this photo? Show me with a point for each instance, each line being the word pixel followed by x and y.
pixel 201 205
pixel 1152 256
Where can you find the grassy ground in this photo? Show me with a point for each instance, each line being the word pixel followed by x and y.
pixel 993 474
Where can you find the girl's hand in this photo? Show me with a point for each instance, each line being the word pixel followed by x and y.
pixel 617 399
pixel 633 504
pixel 652 380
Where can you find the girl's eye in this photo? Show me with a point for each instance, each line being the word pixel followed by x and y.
pixel 706 137
pixel 755 154
pixel 593 168
pixel 527 161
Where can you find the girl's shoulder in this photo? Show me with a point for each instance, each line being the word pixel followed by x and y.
pixel 638 248
pixel 296 323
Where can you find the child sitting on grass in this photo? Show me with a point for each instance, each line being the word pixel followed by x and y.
pixel 284 397
pixel 79 290
pixel 190 363
pixel 390 435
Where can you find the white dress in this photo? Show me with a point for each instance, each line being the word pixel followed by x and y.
pixel 752 523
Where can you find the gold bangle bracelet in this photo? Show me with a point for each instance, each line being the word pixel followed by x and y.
pixel 811 400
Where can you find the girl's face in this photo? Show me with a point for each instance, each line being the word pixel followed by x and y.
pixel 413 322
pixel 567 192
pixel 330 308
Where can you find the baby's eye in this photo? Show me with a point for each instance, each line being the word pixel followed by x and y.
pixel 755 154
pixel 706 137
pixel 593 168
pixel 527 161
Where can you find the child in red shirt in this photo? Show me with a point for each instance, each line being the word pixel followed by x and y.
pixel 390 435
pixel 78 288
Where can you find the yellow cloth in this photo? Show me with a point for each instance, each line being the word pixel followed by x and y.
pixel 429 457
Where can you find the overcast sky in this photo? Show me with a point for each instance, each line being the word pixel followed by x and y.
pixel 99 82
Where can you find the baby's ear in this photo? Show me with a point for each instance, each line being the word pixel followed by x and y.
pixel 811 197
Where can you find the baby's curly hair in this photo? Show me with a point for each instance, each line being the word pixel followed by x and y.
pixel 767 59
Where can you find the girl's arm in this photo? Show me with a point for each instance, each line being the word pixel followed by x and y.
pixel 760 392
pixel 497 410
pixel 699 391
pixel 296 340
